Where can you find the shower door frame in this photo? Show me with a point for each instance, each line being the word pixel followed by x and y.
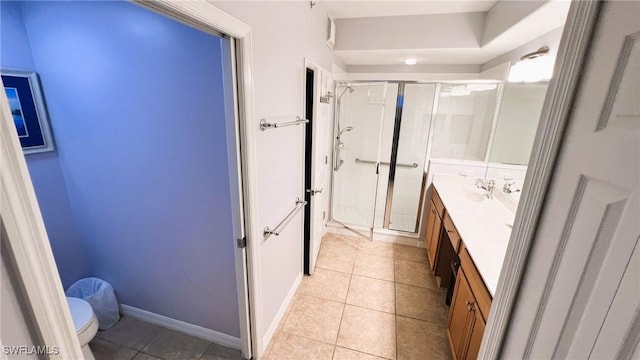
pixel 393 161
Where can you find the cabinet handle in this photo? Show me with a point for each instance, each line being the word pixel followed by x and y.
pixel 470 305
pixel 449 231
pixel 433 211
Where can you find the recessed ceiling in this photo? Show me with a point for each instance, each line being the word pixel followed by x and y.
pixel 367 8
pixel 544 19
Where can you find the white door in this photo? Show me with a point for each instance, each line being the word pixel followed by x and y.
pixel 320 159
pixel 581 291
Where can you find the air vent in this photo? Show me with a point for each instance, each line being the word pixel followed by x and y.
pixel 331 33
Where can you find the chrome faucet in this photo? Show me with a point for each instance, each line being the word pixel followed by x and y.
pixel 506 188
pixel 487 185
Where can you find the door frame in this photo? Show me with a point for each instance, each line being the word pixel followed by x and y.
pixel 576 38
pixel 210 18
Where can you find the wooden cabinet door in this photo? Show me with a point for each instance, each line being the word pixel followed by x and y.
pixel 476 336
pixel 459 319
pixel 435 240
pixel 430 221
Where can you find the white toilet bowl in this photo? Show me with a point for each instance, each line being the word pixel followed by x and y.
pixel 85 322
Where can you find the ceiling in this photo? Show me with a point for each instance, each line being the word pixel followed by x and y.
pixel 363 8
pixel 517 24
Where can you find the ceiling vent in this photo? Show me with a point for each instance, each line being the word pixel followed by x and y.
pixel 331 33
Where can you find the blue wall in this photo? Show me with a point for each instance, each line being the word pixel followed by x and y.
pixel 44 168
pixel 137 108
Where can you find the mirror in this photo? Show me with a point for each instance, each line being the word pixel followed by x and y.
pixel 516 125
pixel 517 122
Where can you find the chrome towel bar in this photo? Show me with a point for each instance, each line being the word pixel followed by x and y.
pixel 276 231
pixel 414 165
pixel 264 124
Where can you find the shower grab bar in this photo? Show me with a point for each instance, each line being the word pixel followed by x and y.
pixel 264 124
pixel 414 165
pixel 276 231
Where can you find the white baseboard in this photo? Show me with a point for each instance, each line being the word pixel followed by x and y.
pixel 181 326
pixel 266 339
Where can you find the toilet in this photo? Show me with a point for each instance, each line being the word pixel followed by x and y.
pixel 85 322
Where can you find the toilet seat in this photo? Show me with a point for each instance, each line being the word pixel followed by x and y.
pixel 84 319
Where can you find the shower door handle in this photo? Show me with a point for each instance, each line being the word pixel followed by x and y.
pixel 314 191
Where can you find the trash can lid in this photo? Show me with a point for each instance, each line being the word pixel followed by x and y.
pixel 81 312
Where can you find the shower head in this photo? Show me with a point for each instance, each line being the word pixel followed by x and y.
pixel 347 129
pixel 351 90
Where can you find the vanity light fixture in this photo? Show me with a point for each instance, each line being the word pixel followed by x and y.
pixel 410 61
pixel 533 67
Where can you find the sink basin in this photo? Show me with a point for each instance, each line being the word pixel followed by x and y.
pixel 470 195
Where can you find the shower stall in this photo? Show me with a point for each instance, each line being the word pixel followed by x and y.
pixel 384 133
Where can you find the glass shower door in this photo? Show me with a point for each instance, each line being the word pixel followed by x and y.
pixel 357 150
pixel 404 201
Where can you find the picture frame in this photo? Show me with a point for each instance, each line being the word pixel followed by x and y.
pixel 28 110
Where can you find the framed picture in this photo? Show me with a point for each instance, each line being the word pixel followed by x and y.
pixel 28 110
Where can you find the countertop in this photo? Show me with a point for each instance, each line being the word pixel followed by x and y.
pixel 484 225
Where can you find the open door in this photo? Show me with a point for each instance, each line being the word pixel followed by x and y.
pixel 587 241
pixel 317 111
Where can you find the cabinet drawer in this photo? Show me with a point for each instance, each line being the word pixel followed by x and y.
pixel 437 202
pixel 480 292
pixel 451 232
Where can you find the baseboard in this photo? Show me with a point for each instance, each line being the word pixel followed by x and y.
pixel 181 326
pixel 266 339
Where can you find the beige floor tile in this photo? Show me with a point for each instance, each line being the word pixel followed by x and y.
pixel 343 242
pixel 420 303
pixel 411 253
pixel 292 347
pixel 335 258
pixel 314 318
pixel 378 248
pixel 348 354
pixel 326 284
pixel 414 273
pixel 419 340
pixel 368 331
pixel 372 294
pixel 376 267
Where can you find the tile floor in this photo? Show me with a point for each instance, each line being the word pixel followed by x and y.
pixel 132 339
pixel 365 300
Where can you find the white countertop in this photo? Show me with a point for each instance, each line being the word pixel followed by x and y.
pixel 484 225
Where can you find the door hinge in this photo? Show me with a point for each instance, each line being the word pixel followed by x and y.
pixel 241 243
pixel 326 160
pixel 324 215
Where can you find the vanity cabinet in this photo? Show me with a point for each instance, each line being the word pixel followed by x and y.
pixel 469 311
pixel 434 227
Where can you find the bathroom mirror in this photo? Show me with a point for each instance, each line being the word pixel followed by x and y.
pixel 517 122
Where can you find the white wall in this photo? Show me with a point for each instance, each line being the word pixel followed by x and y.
pixel 283 35
pixel 461 30
pixel 404 69
pixel 504 15
pixel 551 39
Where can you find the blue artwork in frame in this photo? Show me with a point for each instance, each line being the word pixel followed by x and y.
pixel 28 110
